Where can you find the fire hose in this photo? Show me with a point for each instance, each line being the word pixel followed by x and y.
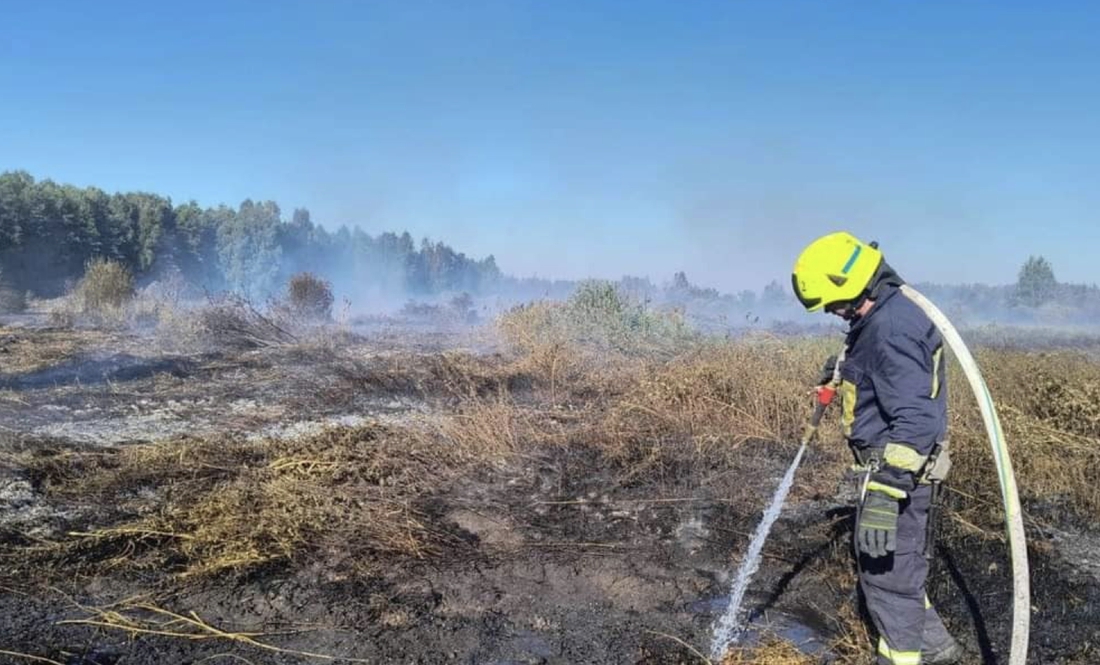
pixel 1014 523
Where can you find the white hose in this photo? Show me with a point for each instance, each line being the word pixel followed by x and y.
pixel 1014 524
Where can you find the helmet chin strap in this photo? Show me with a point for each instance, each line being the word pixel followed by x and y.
pixel 850 311
pixel 884 276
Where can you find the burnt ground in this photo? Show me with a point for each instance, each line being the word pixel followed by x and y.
pixel 559 555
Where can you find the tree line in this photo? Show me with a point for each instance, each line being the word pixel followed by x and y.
pixel 49 231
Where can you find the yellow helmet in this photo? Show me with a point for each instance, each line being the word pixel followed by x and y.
pixel 836 268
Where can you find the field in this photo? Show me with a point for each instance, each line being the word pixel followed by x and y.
pixel 569 483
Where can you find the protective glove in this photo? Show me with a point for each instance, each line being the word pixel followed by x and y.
pixel 827 370
pixel 876 533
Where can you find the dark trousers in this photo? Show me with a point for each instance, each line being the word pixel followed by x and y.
pixel 893 587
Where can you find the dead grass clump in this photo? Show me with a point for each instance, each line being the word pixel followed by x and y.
pixel 719 396
pixel 233 322
pixel 1068 397
pixel 309 297
pixel 594 344
pixel 109 473
pixel 488 428
pixel 460 374
pixel 491 429
pixel 162 307
pixel 770 651
pixel 689 404
pixel 26 352
pixel 853 644
pixel 345 495
pixel 453 376
pixel 545 352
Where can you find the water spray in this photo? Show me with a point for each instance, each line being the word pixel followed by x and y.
pixel 728 629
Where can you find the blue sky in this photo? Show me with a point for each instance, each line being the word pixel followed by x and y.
pixel 591 138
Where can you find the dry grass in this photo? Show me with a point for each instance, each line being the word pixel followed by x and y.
pixel 451 376
pixel 493 428
pixel 1049 405
pixel 712 397
pixel 29 657
pixel 24 353
pixel 199 507
pixel 718 396
pixel 770 651
pixel 349 497
pixel 701 406
pixel 709 398
pixel 352 497
pixel 853 644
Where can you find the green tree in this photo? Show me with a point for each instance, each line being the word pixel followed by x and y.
pixel 197 242
pixel 14 188
pixel 50 231
pixel 1036 283
pixel 248 248
pixel 155 222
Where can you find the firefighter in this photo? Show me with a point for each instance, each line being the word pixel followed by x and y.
pixel 894 415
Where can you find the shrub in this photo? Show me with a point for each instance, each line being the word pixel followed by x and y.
pixel 598 316
pixel 462 308
pixel 310 296
pixel 99 298
pixel 106 286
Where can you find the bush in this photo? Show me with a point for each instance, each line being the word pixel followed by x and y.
pixel 600 317
pixel 310 296
pixel 462 308
pixel 99 298
pixel 106 286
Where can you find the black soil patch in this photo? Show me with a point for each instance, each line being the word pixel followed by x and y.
pixel 95 371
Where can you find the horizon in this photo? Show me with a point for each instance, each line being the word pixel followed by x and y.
pixel 659 281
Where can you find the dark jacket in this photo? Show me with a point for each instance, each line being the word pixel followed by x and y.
pixel 893 387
